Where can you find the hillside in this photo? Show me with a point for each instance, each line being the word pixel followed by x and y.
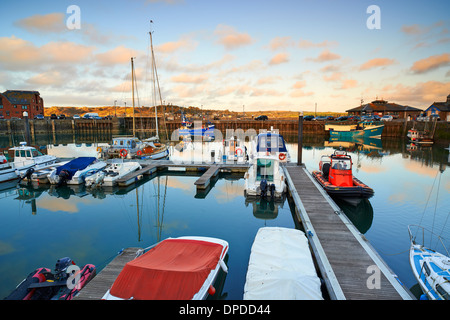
pixel 150 112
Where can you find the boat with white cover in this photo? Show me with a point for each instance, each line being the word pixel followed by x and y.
pixel 109 175
pixel 183 268
pixel 76 171
pixel 281 267
pixel 431 268
pixel 26 157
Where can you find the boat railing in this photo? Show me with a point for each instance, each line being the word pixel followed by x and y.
pixel 425 232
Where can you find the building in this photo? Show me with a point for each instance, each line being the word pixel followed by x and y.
pixel 442 109
pixel 14 102
pixel 383 107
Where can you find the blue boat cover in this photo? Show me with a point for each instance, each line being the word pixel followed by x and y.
pixel 73 166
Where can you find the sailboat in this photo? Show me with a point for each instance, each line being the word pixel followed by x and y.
pixel 131 146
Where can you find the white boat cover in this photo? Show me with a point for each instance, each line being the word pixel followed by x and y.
pixel 281 267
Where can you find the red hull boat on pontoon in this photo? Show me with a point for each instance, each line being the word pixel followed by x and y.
pixel 335 176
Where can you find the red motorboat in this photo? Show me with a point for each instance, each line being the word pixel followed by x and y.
pixel 336 177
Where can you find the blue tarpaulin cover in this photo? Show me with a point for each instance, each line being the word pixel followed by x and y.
pixel 73 166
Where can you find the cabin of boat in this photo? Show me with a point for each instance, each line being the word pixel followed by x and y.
pixel 27 156
pixel 336 177
pixel 271 143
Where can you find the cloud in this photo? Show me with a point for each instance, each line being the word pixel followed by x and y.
pixel 348 84
pixel 186 78
pixel 185 43
pixel 306 44
pixel 335 76
pixel 421 95
pixel 118 55
pixel 281 43
pixel 298 90
pixel 413 29
pixel 325 55
pixel 377 62
pixel 52 22
pixel 230 38
pixel 431 63
pixel 279 58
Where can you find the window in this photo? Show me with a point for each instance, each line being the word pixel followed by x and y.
pixel 24 107
pixel 28 154
pixel 22 153
pixel 35 153
pixel 1 106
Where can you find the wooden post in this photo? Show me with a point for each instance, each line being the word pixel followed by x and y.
pixel 300 139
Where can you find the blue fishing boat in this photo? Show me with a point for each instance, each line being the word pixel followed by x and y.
pixel 190 129
pixel 364 129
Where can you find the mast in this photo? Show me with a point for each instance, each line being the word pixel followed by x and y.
pixel 154 83
pixel 132 90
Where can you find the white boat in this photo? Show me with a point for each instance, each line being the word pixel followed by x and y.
pixel 76 171
pixel 8 171
pixel 109 175
pixel 430 268
pixel 270 143
pixel 26 157
pixel 281 267
pixel 234 149
pixel 265 178
pixel 183 268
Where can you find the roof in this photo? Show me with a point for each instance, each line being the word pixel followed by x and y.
pixel 174 269
pixel 20 96
pixel 382 105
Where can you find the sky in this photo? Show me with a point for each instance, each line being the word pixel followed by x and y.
pixel 246 55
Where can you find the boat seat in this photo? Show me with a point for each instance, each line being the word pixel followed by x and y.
pixel 326 170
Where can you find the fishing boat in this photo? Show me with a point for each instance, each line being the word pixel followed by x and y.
pixel 76 171
pixel 26 157
pixel 109 175
pixel 63 284
pixel 131 147
pixel 430 268
pixel 192 129
pixel 336 177
pixel 362 129
pixel 419 137
pixel 183 268
pixel 281 267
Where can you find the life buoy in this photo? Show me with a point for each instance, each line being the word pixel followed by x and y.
pixel 123 153
pixel 239 152
pixel 139 152
pixel 99 149
pixel 282 156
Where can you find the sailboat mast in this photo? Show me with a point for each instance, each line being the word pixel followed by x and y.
pixel 132 90
pixel 154 83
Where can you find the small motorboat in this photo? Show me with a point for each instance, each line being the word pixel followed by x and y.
pixel 63 284
pixel 270 143
pixel 430 268
pixel 419 137
pixel 183 268
pixel 109 175
pixel 265 178
pixel 281 267
pixel 363 129
pixel 336 177
pixel 76 171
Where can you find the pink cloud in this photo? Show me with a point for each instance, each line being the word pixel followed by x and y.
pixel 326 55
pixel 52 22
pixel 377 62
pixel 431 63
pixel 118 55
pixel 305 44
pixel 186 78
pixel 279 58
pixel 281 43
pixel 230 38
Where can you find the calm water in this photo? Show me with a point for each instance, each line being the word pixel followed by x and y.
pixel 41 225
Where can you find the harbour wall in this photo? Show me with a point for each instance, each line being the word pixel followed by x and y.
pixel 148 124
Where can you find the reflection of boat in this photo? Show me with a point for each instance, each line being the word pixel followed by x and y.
pixel 112 172
pixel 63 284
pixel 182 268
pixel 281 267
pixel 431 268
pixel 358 210
pixel 265 209
pixel 76 170
pixel 361 129
pixel 363 144
pixel 335 176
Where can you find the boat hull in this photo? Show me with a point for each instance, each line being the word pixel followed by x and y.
pixel 358 190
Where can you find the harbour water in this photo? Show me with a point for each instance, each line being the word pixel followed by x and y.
pixel 42 224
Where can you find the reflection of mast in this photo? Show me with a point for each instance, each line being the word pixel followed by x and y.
pixel 160 218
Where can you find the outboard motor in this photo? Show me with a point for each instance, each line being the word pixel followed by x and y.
pixel 63 177
pixel 61 267
pixel 272 191
pixel 263 187
pixel 28 174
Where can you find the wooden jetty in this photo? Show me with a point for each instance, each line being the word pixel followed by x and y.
pixel 103 281
pixel 351 268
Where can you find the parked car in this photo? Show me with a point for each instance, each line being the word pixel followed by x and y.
pixel 39 117
pixel 320 118
pixel 262 117
pixel 387 118
pixel 330 118
pixel 75 116
pixel 62 116
pixel 342 118
pixel 354 118
pixel 2 117
pixel 433 117
pixel 308 118
pixel 53 116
